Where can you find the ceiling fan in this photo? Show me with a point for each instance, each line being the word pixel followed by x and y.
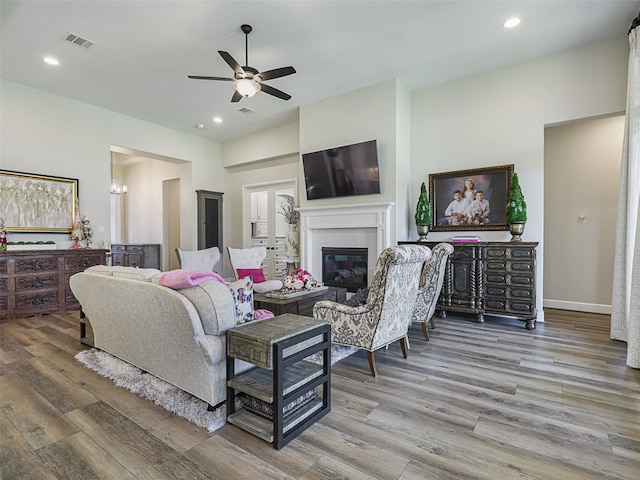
pixel 247 81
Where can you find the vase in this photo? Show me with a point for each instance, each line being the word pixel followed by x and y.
pixel 516 229
pixel 423 230
pixel 291 241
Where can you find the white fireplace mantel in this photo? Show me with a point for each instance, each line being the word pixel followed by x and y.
pixel 352 225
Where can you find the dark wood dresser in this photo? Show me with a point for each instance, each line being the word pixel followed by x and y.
pixel 37 281
pixel 493 278
pixel 135 255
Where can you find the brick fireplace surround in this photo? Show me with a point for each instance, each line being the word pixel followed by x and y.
pixel 357 225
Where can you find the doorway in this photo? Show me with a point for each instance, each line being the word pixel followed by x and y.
pixel 264 224
pixel 581 185
pixel 151 212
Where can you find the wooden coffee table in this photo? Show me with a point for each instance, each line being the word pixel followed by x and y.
pixel 300 305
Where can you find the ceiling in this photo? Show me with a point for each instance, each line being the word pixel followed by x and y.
pixel 146 49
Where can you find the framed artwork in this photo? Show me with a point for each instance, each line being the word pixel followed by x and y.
pixel 470 199
pixel 37 203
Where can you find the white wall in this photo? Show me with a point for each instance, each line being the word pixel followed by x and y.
pixel 52 135
pixel 144 202
pixel 498 118
pixel 370 113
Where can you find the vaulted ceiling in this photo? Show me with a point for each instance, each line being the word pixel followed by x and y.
pixel 144 50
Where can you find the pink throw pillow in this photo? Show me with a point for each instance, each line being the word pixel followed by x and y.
pixel 258 274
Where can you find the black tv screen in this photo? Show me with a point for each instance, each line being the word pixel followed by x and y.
pixel 342 171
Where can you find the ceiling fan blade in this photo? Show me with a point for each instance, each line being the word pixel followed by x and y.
pixel 236 97
pixel 274 91
pixel 277 73
pixel 231 62
pixel 198 77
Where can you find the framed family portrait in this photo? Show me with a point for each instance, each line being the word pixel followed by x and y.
pixel 470 199
pixel 37 203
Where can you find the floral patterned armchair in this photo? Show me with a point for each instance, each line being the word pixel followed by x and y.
pixel 431 281
pixel 386 315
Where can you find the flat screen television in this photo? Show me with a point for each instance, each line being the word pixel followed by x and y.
pixel 342 171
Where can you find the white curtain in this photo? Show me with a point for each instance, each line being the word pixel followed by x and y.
pixel 625 304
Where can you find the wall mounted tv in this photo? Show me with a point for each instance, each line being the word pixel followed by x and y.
pixel 342 171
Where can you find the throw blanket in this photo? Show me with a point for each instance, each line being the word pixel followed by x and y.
pixel 180 278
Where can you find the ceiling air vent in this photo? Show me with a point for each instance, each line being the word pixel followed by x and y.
pixel 245 110
pixel 79 41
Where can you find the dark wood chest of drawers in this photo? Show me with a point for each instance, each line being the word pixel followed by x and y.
pixel 497 278
pixel 37 281
pixel 135 255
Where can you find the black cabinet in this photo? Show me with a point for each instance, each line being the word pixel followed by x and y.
pixel 493 278
pixel 209 219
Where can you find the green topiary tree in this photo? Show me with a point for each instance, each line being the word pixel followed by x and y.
pixel 423 210
pixel 516 206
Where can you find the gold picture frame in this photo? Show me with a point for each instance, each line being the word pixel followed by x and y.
pixel 37 203
pixel 493 182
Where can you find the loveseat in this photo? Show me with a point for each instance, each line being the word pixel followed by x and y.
pixel 177 335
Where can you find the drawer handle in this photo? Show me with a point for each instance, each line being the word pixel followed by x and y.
pixel 37 284
pixel 38 301
pixel 84 263
pixel 37 267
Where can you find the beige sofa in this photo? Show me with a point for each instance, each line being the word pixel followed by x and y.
pixel 177 335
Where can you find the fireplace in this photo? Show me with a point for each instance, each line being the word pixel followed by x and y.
pixel 345 267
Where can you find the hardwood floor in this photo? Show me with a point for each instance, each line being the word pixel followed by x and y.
pixel 479 401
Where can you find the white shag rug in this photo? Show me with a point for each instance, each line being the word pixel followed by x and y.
pixel 168 396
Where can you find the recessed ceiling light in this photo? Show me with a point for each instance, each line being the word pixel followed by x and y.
pixel 512 22
pixel 51 61
pixel 217 119
pixel 200 126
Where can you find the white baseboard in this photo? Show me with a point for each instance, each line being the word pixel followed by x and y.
pixel 577 306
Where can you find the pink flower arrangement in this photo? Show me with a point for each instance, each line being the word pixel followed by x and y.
pixel 299 280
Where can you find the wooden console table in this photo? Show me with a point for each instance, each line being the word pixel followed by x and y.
pixel 493 278
pixel 35 282
pixel 278 346
pixel 301 305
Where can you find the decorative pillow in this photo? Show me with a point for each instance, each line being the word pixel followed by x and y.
pixel 242 291
pixel 257 273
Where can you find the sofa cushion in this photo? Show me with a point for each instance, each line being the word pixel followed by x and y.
pixel 242 292
pixel 141 274
pixel 214 304
pixel 132 273
pixel 256 273
pixel 100 269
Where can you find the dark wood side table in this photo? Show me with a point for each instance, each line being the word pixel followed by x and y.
pixel 302 305
pixel 278 346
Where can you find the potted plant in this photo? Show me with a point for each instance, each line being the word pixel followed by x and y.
pixel 423 214
pixel 516 211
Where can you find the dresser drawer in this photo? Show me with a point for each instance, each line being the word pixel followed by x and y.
pixel 36 265
pixel 40 300
pixel 36 282
pixel 80 262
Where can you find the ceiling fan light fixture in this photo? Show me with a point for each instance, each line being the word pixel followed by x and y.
pixel 246 87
